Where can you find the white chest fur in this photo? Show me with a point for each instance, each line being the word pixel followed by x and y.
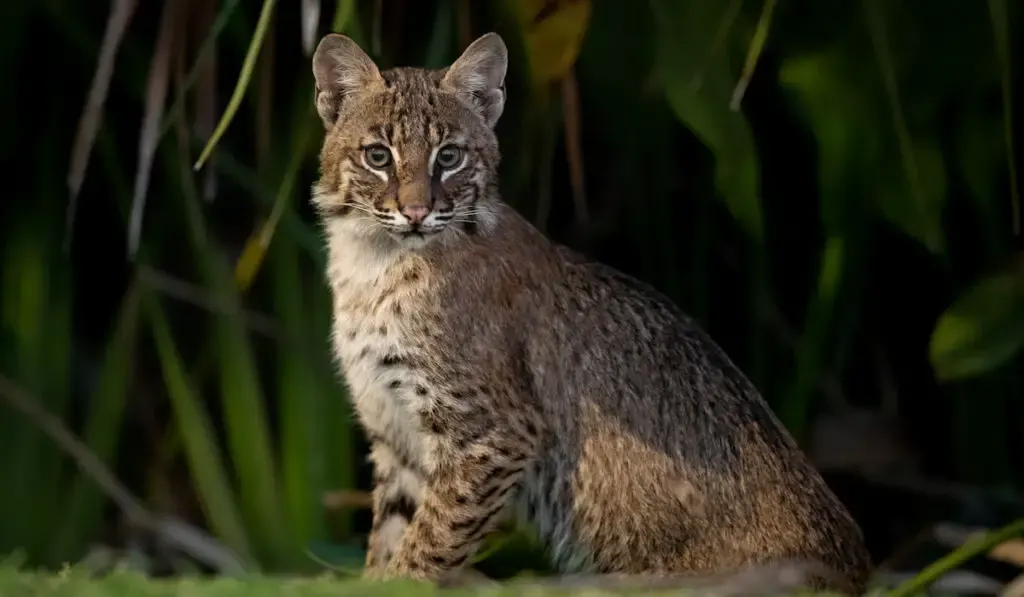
pixel 373 331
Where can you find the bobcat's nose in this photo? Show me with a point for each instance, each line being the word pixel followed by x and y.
pixel 415 213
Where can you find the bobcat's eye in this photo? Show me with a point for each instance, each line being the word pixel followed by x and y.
pixel 449 157
pixel 377 156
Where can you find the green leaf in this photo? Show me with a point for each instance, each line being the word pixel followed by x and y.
pixel 824 86
pixel 982 330
pixel 896 175
pixel 685 30
pixel 980 155
pixel 919 212
pixel 915 207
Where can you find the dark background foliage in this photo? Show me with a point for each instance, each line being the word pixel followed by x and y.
pixel 828 187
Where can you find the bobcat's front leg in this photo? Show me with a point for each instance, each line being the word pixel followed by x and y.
pixel 396 492
pixel 462 502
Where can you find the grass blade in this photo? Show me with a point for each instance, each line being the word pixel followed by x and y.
pixel 200 65
pixel 725 26
pixel 880 45
pixel 117 23
pixel 206 90
pixel 243 81
pixel 970 549
pixel 248 436
pixel 106 412
pixel 203 454
pixel 256 246
pixel 35 318
pixel 441 37
pixel 241 395
pixel 1001 34
pixel 156 95
pixel 753 53
pixel 795 408
pixel 345 20
pixel 310 22
pixel 302 472
pixel 333 409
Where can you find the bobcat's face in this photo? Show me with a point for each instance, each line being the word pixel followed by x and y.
pixel 408 152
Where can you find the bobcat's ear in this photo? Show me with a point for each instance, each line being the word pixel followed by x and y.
pixel 341 68
pixel 478 76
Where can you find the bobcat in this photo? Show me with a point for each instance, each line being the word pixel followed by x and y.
pixel 500 375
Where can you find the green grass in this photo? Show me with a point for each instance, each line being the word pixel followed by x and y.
pixel 81 584
pixel 14 582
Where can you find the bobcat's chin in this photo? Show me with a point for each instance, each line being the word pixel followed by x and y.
pixel 416 239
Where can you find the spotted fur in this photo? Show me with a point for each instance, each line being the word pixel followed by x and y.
pixel 500 376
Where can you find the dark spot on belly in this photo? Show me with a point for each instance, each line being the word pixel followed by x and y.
pixel 390 360
pixel 433 421
pixel 382 330
pixel 421 391
pixel 395 384
pixel 400 505
pixel 458 560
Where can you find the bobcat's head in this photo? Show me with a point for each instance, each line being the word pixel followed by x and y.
pixel 410 154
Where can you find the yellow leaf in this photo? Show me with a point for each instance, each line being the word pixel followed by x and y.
pixel 251 259
pixel 553 31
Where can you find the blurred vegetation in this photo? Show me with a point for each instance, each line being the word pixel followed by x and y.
pixel 830 188
pixel 81 583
